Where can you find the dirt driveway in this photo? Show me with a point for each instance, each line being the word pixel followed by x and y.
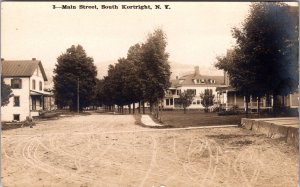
pixel 110 150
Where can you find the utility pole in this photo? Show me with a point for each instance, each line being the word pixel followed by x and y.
pixel 78 95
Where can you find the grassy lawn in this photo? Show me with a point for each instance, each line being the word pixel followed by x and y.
pixel 198 118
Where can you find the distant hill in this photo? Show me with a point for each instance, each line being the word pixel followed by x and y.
pixel 177 69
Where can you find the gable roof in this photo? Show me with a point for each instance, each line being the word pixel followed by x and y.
pixel 188 80
pixel 21 68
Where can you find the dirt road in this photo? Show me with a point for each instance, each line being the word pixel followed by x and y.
pixel 110 150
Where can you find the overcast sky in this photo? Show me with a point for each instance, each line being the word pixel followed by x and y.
pixel 197 32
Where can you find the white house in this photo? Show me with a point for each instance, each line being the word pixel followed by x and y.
pixel 228 97
pixel 27 79
pixel 195 83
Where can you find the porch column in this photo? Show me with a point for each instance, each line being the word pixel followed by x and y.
pixel 43 100
pixel 226 100
pixel 272 101
pixel 250 102
pixel 50 103
pixel 245 103
pixel 234 98
pixel 258 103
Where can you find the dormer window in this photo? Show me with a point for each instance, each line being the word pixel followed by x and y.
pixel 202 81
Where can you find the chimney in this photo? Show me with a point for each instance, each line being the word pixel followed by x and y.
pixel 197 70
pixel 176 77
pixel 33 58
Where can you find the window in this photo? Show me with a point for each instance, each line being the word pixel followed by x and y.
pixel 167 102
pixel 171 101
pixel 33 84
pixel 198 102
pixel 178 92
pixel 208 91
pixel 41 86
pixel 16 117
pixel 192 91
pixel 202 81
pixel 16 83
pixel 16 100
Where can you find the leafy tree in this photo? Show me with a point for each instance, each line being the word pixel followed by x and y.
pixel 74 67
pixel 240 74
pixel 134 56
pixel 140 77
pixel 6 93
pixel 155 67
pixel 265 58
pixel 207 99
pixel 185 99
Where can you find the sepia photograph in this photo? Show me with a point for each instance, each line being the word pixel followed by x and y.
pixel 149 94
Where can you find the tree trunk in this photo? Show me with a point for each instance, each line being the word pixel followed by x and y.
pixel 129 107
pixel 184 110
pixel 247 105
pixel 161 110
pixel 139 107
pixel 276 104
pixel 247 108
pixel 156 109
pixel 258 106
pixel 133 109
pixel 143 103
pixel 151 107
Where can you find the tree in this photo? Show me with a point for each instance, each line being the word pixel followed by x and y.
pixel 185 99
pixel 74 67
pixel 142 76
pixel 6 93
pixel 207 99
pixel 240 74
pixel 265 58
pixel 155 67
pixel 134 55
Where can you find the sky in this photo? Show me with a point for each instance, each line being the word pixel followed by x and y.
pixel 196 32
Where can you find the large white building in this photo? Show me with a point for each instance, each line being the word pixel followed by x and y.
pixel 195 83
pixel 228 97
pixel 225 96
pixel 27 79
